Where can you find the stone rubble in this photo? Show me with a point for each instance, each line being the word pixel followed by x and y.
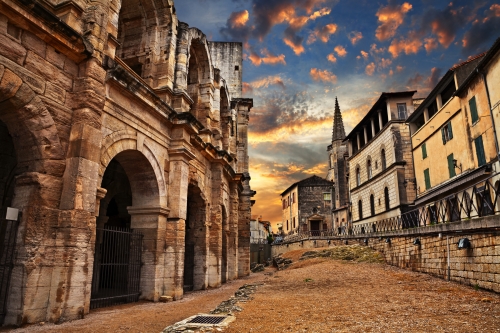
pixel 281 263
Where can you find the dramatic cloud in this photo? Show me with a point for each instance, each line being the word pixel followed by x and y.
pixel 370 69
pixel 483 30
pixel 323 34
pixel 446 23
pixel 410 45
pixel 363 55
pixel 267 81
pixel 267 58
pixel 355 36
pixel 384 63
pixel 390 18
pixel 424 85
pixel 238 19
pixel 340 50
pixel 430 44
pixel 323 75
pixel 331 58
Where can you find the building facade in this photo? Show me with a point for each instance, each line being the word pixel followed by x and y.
pixel 380 160
pixel 306 206
pixel 115 115
pixel 259 230
pixel 452 137
pixel 338 172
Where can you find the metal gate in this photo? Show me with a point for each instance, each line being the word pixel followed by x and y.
pixel 117 267
pixel 8 231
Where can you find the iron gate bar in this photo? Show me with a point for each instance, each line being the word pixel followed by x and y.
pixel 117 267
pixel 8 232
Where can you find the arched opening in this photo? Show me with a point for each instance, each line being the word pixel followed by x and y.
pixel 129 181
pixel 386 198
pixel 195 241
pixel 369 169
pixel 372 205
pixel 7 167
pixel 194 85
pixel 227 121
pixel 382 159
pixel 225 231
pixel 358 177
pixel 360 209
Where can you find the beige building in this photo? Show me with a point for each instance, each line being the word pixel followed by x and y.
pixel 306 206
pixel 259 230
pixel 380 161
pixel 118 122
pixel 453 137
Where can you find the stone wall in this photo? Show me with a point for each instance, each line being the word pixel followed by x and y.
pixel 478 266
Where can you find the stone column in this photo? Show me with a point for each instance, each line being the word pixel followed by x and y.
pixel 232 240
pixel 373 127
pixel 365 134
pixel 176 225
pixel 389 115
pixel 380 122
pixel 215 228
pixel 426 115
pixel 358 141
pixel 151 222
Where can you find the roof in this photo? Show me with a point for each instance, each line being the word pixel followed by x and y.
pixel 311 181
pixel 374 108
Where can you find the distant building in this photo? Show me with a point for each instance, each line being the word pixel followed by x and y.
pixel 259 230
pixel 306 206
pixel 380 160
pixel 338 172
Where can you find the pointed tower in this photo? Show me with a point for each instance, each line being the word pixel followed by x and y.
pixel 338 168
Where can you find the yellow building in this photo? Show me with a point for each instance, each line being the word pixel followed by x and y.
pixel 452 135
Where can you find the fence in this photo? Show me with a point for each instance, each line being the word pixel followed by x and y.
pixel 8 231
pixel 478 200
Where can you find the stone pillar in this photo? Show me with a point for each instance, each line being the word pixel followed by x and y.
pixel 380 122
pixel 389 115
pixel 215 228
pixel 244 215
pixel 365 134
pixel 151 222
pixel 373 127
pixel 175 229
pixel 181 61
pixel 358 142
pixel 232 240
pixel 426 115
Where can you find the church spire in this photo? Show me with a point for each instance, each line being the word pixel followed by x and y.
pixel 338 124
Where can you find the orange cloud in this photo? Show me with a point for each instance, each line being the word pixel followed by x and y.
pixel 238 19
pixel 247 88
pixel 355 36
pixel 297 48
pixel 391 72
pixel 323 34
pixel 340 50
pixel 408 46
pixel 390 18
pixel 363 55
pixel 323 75
pixel 331 58
pixel 375 50
pixel 495 9
pixel 370 69
pixel 267 81
pixel 430 44
pixel 384 63
pixel 267 58
pixel 399 68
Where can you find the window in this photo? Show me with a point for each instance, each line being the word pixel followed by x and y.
pixel 369 169
pixel 473 110
pixel 358 177
pixel 372 204
pixel 424 151
pixel 451 166
pixel 286 224
pixel 327 196
pixel 402 114
pixel 360 209
pixel 294 222
pixel 432 109
pixel 236 68
pixel 447 92
pixel 293 197
pixel 382 157
pixel 386 197
pixel 427 179
pixel 481 157
pixel 447 133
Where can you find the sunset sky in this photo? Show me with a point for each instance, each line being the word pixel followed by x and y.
pixel 300 54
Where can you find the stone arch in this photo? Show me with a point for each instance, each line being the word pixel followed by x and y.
pixel 143 29
pixel 149 168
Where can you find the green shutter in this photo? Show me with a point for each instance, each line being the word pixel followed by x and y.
pixel 450 131
pixel 424 151
pixel 451 166
pixel 427 179
pixel 481 158
pixel 473 109
pixel 443 136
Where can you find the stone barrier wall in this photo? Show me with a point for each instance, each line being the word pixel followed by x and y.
pixel 478 265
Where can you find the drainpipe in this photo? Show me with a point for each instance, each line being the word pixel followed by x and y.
pixel 491 114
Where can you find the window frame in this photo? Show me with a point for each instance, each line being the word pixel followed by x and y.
pixel 405 111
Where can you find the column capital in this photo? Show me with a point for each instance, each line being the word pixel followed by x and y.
pixel 148 210
pixel 181 154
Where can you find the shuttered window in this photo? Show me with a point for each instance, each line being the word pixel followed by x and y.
pixel 473 109
pixel 427 179
pixel 424 151
pixel 447 133
pixel 481 157
pixel 451 166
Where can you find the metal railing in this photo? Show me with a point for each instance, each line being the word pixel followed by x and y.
pixel 478 200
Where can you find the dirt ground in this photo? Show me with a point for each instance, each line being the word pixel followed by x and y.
pixel 317 295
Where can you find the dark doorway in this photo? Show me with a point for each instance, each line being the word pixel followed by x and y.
pixel 315 228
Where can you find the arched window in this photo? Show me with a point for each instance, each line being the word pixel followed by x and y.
pixel 372 204
pixel 382 158
pixel 360 209
pixel 287 225
pixel 358 177
pixel 369 169
pixel 386 196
